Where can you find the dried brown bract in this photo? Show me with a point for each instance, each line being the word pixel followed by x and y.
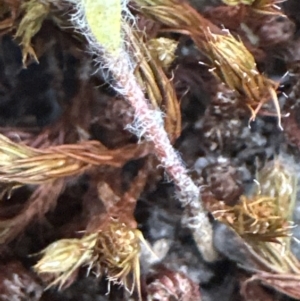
pixel 292 127
pixel 223 119
pixel 273 30
pixel 224 104
pixel 287 284
pixel 255 291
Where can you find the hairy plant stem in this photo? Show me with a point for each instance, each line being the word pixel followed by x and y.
pixel 149 124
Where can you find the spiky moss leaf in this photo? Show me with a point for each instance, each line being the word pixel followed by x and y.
pixel 104 20
pixel 35 12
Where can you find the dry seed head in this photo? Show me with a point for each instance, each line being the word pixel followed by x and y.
pixel 63 257
pixel 117 252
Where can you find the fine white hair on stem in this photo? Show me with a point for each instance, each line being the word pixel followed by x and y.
pixel 148 123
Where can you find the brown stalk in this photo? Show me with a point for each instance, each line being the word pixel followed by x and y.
pixel 40 202
pixel 13 8
pixel 125 207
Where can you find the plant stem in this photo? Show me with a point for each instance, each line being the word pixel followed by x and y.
pixel 149 124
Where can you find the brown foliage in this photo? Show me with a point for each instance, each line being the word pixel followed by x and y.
pixel 229 59
pixel 25 165
pixel 42 200
pixel 9 11
pixel 88 146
